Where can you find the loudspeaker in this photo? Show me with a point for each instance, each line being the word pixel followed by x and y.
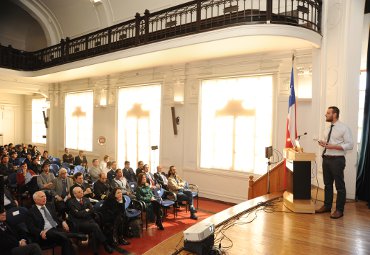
pixel 174 122
pixel 46 119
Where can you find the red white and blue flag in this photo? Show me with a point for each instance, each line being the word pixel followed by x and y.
pixel 291 124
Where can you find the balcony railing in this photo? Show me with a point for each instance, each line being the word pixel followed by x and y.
pixel 189 18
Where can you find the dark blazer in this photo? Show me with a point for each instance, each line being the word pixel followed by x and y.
pixel 152 176
pixel 9 238
pixel 138 171
pixel 101 189
pixel 10 197
pixel 129 175
pixel 78 161
pixel 158 177
pixel 78 214
pixel 111 209
pixel 35 222
pixel 84 186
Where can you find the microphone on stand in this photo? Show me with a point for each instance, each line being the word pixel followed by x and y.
pixel 299 137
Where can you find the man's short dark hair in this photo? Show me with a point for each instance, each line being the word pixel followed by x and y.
pixel 76 175
pixel 335 110
pixel 127 162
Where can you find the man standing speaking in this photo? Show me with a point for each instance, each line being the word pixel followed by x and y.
pixel 337 140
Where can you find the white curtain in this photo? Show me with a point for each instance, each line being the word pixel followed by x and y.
pixel 139 124
pixel 236 123
pixel 79 120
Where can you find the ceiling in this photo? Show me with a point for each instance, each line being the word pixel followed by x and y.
pixel 64 19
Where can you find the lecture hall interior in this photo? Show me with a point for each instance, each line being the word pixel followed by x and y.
pixel 203 86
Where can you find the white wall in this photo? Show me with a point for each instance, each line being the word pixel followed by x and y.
pixel 12 119
pixel 182 150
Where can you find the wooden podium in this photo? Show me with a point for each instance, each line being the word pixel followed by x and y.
pixel 298 195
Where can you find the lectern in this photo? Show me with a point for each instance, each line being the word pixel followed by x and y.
pixel 298 195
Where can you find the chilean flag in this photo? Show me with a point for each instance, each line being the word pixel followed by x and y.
pixel 291 124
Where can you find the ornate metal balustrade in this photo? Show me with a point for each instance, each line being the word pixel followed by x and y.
pixel 181 20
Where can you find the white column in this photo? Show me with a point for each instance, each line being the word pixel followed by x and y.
pixel 341 55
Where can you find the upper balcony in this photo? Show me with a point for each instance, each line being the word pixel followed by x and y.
pixel 191 18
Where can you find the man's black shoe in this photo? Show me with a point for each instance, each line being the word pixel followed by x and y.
pixel 123 241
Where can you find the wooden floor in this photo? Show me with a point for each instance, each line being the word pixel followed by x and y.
pixel 276 230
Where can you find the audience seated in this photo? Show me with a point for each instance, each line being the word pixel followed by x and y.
pixel 81 214
pixel 13 240
pixel 145 194
pixel 178 186
pixel 150 177
pixel 9 200
pixel 95 170
pixel 114 217
pixel 45 157
pixel 129 173
pixel 27 180
pixel 79 182
pixel 140 168
pixel 34 151
pixel 103 164
pixel 13 155
pixel 6 168
pixel 45 180
pixel 80 159
pixel 112 166
pixel 121 183
pixel 62 186
pixel 35 165
pixel 28 160
pixel 102 187
pixel 45 227
pixel 24 152
pixel 161 178
pixel 67 157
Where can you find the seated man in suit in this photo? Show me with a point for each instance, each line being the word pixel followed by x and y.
pixel 129 173
pixel 13 242
pixel 6 168
pixel 140 168
pixel 161 178
pixel 67 157
pixel 81 214
pixel 79 182
pixel 102 187
pixel 43 224
pixel 62 186
pixel 80 159
pixel 150 178
pixel 112 165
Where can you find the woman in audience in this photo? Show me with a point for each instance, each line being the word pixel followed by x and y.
pixel 114 217
pixel 145 194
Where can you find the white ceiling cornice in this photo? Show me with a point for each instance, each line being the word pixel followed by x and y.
pixel 45 17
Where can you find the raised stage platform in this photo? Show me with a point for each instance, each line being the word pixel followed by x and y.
pixel 274 229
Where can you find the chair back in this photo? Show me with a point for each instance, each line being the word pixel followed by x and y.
pixel 55 161
pixel 19 161
pixel 127 201
pixel 12 179
pixel 158 192
pixel 79 169
pixel 54 168
pixel 133 186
